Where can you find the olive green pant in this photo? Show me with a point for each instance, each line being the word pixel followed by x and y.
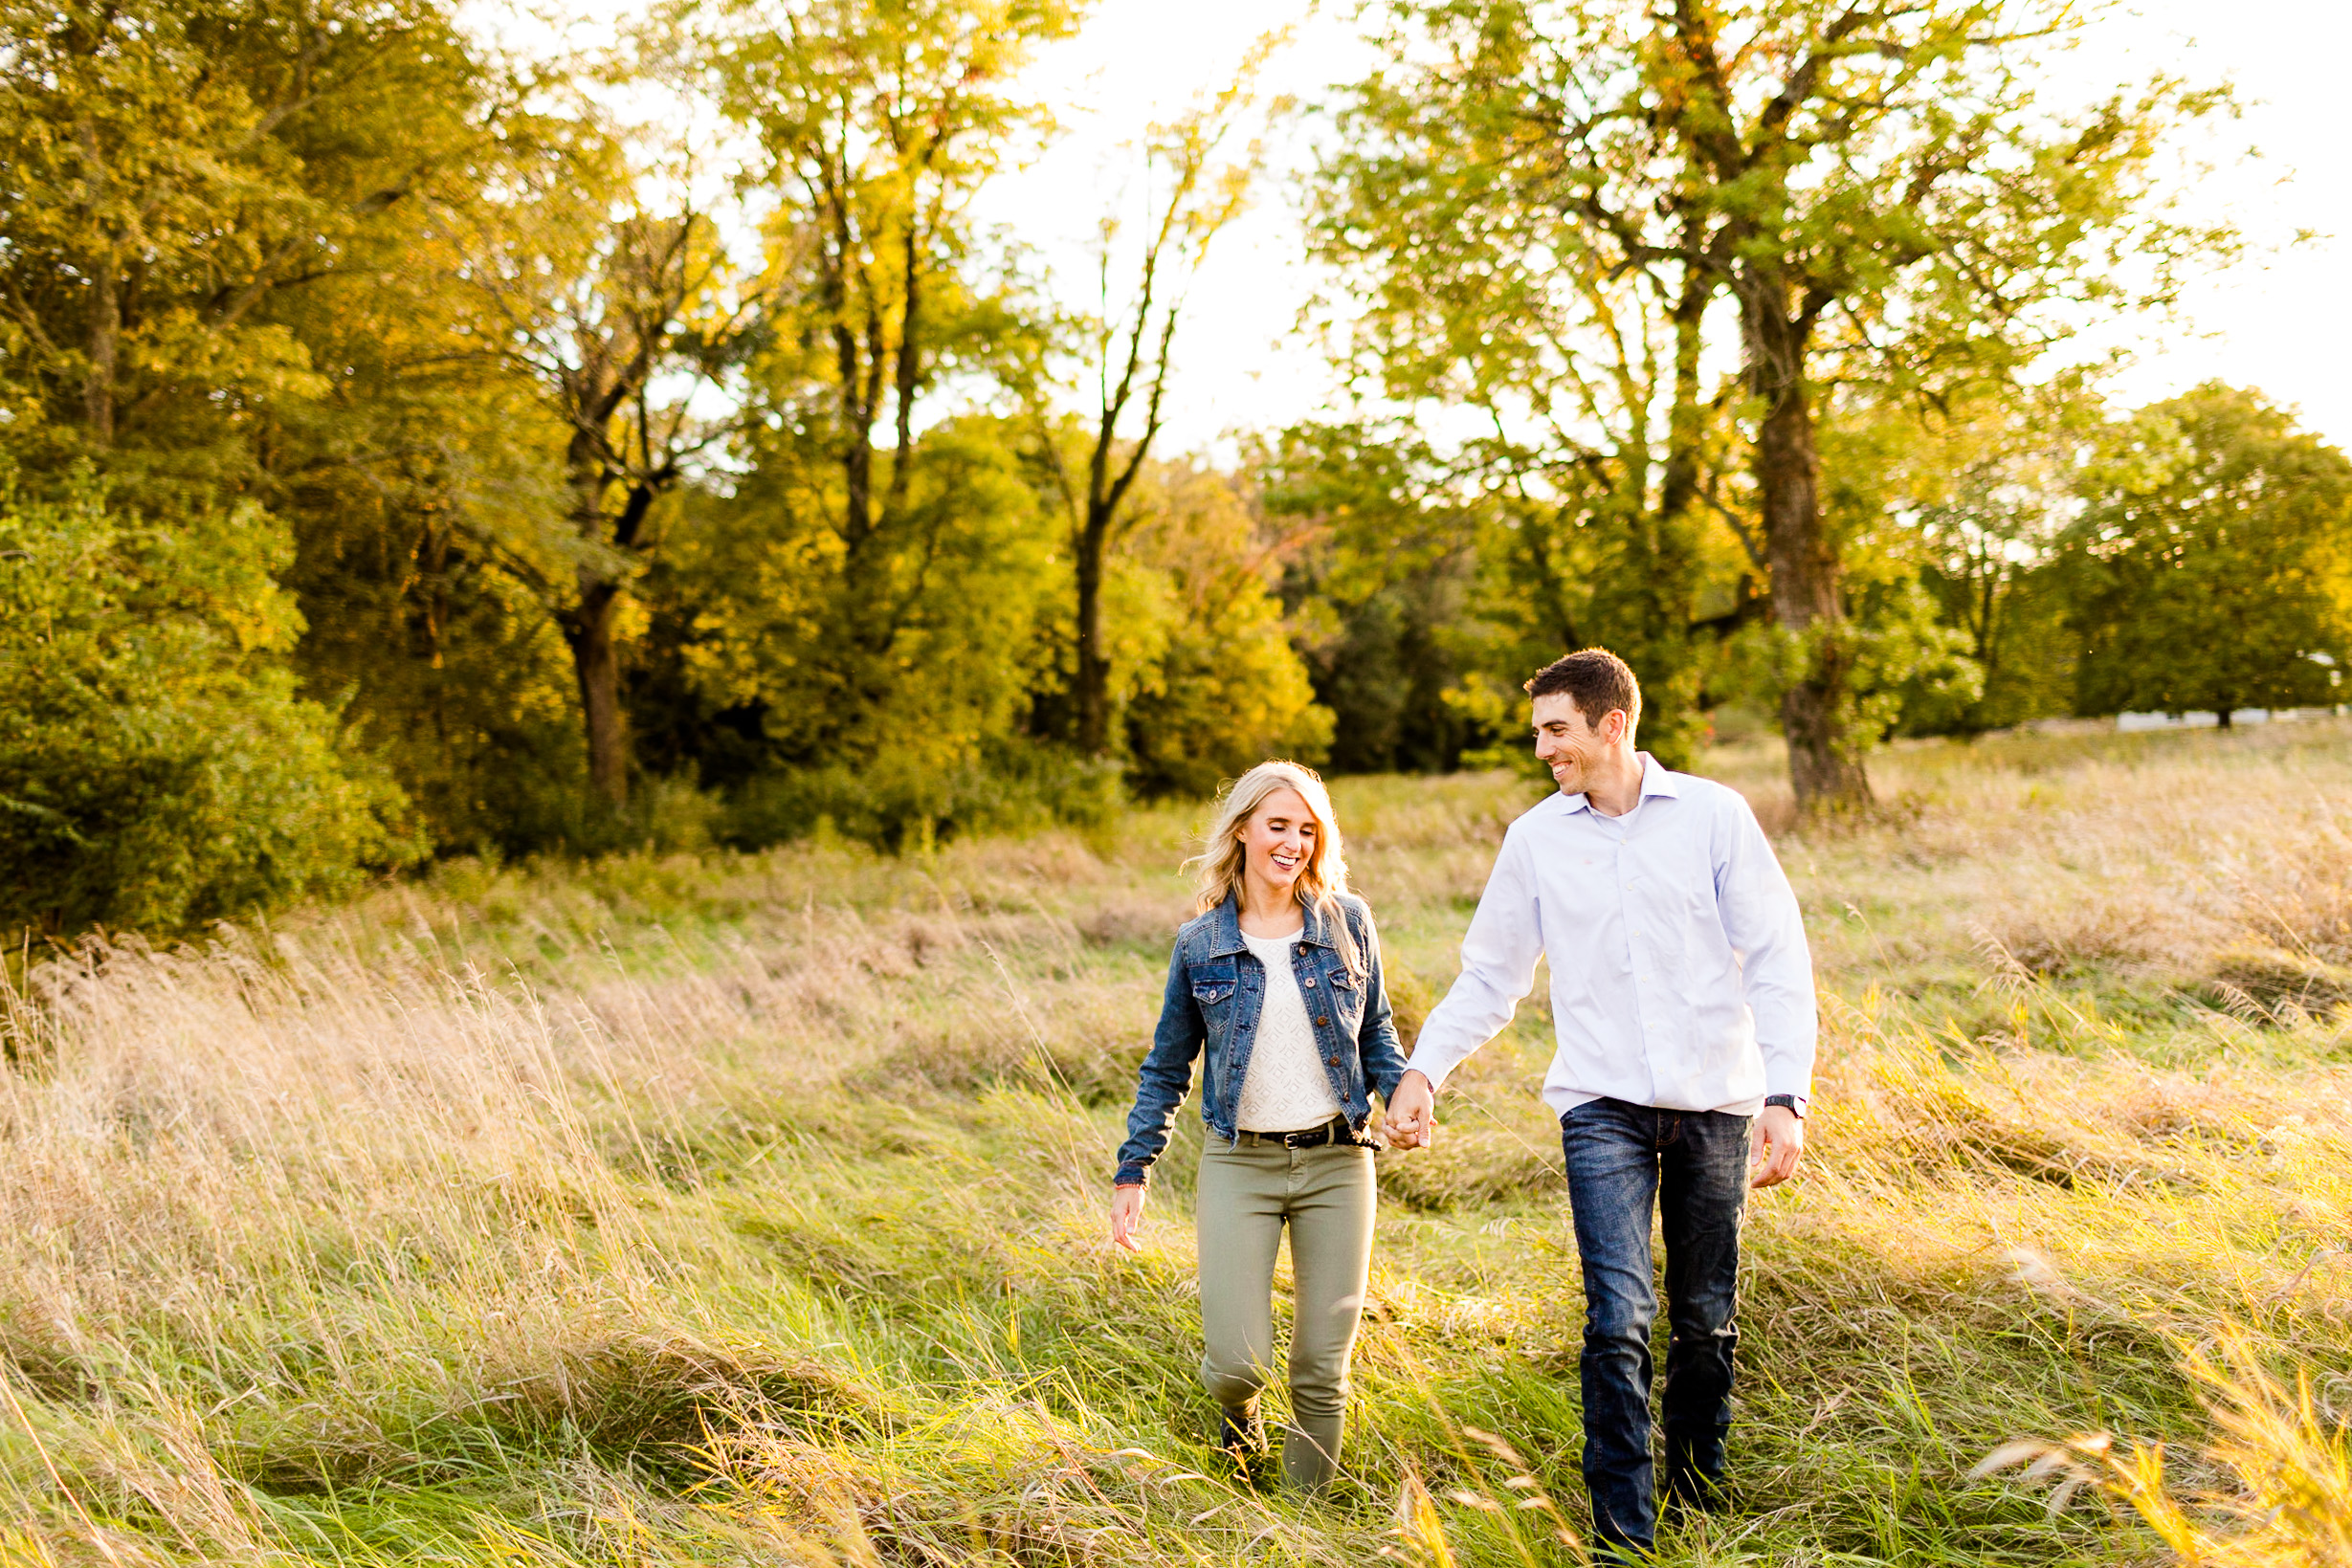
pixel 1247 1195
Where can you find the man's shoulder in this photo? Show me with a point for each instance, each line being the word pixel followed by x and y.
pixel 1707 795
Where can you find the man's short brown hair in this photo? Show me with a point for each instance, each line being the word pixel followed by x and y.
pixel 1596 680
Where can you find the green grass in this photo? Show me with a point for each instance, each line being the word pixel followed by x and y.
pixel 750 1209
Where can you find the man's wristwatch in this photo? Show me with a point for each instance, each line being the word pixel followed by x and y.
pixel 1794 1102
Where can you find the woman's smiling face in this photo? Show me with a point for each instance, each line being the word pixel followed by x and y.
pixel 1280 839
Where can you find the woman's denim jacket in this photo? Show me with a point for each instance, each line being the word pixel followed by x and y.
pixel 1215 988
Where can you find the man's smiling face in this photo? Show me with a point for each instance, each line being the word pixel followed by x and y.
pixel 1568 745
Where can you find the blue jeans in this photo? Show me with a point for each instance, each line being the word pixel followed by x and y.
pixel 1691 1165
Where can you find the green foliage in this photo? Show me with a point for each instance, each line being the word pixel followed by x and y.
pixel 1983 487
pixel 906 801
pixel 1222 690
pixel 1421 610
pixel 2212 566
pixel 507 444
pixel 816 651
pixel 1545 201
pixel 158 769
pixel 179 173
pixel 903 702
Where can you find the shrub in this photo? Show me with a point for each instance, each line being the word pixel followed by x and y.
pixel 159 768
pixel 908 800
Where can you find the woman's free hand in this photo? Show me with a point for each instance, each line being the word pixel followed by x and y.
pixel 1127 1217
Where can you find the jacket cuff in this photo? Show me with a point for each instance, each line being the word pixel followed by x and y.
pixel 1131 1175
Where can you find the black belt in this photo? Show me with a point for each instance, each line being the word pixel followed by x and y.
pixel 1334 1131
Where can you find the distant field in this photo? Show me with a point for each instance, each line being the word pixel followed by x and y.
pixel 748 1211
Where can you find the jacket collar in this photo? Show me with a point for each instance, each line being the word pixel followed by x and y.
pixel 1224 928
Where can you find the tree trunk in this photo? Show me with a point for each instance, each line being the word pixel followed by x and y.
pixel 104 348
pixel 587 626
pixel 1823 767
pixel 1092 692
pixel 1685 421
pixel 1661 544
pixel 595 661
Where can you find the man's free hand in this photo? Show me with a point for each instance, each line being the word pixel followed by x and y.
pixel 1780 1144
pixel 1127 1217
pixel 1413 1113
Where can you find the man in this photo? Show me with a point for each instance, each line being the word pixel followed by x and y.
pixel 1683 1000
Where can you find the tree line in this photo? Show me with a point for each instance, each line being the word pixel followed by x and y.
pixel 405 452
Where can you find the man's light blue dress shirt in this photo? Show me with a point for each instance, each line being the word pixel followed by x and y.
pixel 1680 977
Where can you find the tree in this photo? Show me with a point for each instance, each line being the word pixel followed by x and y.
pixel 1988 484
pixel 1189 199
pixel 1216 687
pixel 623 317
pixel 2211 566
pixel 1381 590
pixel 1594 461
pixel 875 123
pixel 749 600
pixel 225 263
pixel 1872 186
pixel 174 171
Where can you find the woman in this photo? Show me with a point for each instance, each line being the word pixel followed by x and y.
pixel 1278 977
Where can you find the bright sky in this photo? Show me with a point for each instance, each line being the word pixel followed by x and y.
pixel 2281 320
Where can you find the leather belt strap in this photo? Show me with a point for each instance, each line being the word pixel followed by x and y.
pixel 1334 1131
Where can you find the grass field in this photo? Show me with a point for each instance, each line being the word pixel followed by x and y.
pixel 749 1211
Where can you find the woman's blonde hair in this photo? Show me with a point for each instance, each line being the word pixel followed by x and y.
pixel 1220 865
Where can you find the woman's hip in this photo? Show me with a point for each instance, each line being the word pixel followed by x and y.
pixel 1294 1184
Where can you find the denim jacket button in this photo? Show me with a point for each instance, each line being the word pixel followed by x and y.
pixel 1322 1023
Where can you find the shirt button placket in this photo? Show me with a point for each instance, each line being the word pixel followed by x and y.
pixel 1642 977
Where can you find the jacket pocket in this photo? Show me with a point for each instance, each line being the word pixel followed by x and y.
pixel 1214 984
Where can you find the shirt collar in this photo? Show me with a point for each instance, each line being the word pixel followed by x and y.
pixel 1655 780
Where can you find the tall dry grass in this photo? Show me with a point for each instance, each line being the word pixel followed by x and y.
pixel 747 1210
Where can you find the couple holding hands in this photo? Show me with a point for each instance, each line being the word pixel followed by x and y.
pixel 1682 998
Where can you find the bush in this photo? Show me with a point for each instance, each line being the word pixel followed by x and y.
pixel 906 800
pixel 159 769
